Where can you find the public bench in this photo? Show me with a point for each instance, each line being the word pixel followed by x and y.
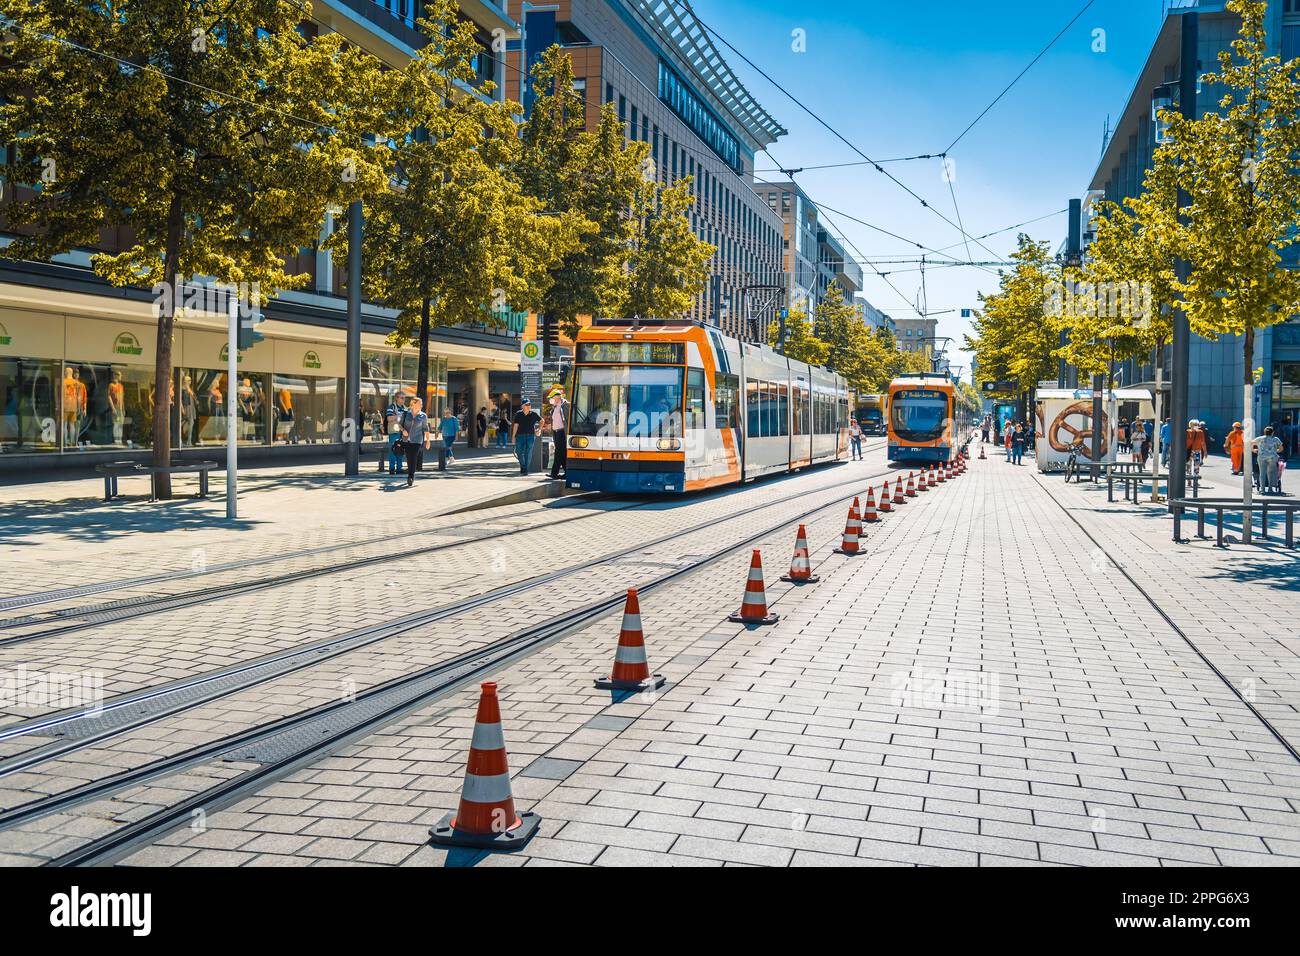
pixel 1286 506
pixel 117 469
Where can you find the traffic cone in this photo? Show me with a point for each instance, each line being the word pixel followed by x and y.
pixel 870 515
pixel 911 486
pixel 885 506
pixel 631 672
pixel 982 455
pixel 899 498
pixel 800 565
pixel 852 529
pixel 938 475
pixel 753 609
pixel 486 817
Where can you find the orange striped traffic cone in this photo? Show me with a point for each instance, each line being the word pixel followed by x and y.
pixel 753 609
pixel 938 475
pixel 852 530
pixel 885 506
pixel 911 486
pixel 486 817
pixel 870 515
pixel 631 672
pixel 899 498
pixel 800 565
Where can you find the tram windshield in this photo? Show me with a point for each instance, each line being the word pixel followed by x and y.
pixel 918 416
pixel 628 401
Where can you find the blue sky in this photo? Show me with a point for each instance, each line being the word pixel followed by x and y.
pixel 903 77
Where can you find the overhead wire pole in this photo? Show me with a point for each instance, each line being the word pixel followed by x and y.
pixel 1181 349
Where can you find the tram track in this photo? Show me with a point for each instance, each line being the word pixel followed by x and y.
pixel 305 735
pixel 132 608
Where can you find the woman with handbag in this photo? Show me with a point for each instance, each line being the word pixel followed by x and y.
pixel 416 437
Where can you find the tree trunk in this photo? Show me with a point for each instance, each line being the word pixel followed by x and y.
pixel 162 367
pixel 1248 428
pixel 422 366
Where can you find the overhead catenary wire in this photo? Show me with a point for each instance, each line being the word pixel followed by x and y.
pixel 833 131
pixel 1041 53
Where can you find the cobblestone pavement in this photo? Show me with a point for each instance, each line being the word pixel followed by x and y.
pixel 979 688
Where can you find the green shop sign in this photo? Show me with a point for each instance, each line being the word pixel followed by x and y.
pixel 4 335
pixel 311 360
pixel 224 356
pixel 127 344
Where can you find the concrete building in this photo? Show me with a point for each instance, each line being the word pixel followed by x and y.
pixel 1215 373
pixel 835 265
pixel 673 90
pixel 915 334
pixel 76 354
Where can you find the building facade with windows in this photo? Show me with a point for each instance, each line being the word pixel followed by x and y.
pixel 916 335
pixel 1215 372
pixel 77 355
pixel 801 250
pixel 671 89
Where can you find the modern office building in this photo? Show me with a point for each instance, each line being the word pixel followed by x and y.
pixel 813 258
pixel 673 90
pixel 77 355
pixel 1215 374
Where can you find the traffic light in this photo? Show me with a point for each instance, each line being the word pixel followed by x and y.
pixel 550 336
pixel 248 334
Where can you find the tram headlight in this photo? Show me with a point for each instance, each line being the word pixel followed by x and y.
pixel 669 444
pixel 578 441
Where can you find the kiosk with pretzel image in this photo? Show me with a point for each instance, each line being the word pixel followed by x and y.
pixel 1064 418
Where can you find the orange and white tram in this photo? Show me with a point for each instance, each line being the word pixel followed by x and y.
pixel 674 406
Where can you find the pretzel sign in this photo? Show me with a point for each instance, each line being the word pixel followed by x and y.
pixel 1077 435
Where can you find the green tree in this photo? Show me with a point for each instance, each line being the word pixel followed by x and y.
pixel 1014 337
pixel 667 264
pixel 801 344
pixel 1237 166
pixel 455 238
pixel 214 135
pixel 595 175
pixel 852 349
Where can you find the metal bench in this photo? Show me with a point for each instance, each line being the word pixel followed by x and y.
pixel 115 470
pixel 1132 480
pixel 1287 506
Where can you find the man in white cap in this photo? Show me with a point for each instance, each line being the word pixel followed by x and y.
pixel 523 432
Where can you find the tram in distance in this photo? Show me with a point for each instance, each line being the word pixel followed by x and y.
pixel 670 406
pixel 871 414
pixel 920 409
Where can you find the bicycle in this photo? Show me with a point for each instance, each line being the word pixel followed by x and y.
pixel 1072 463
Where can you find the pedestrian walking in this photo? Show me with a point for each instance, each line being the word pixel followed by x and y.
pixel 393 431
pixel 558 419
pixel 1268 452
pixel 450 428
pixel 416 437
pixel 482 424
pixel 1234 447
pixel 1018 444
pixel 1122 436
pixel 1008 433
pixel 855 439
pixel 523 432
pixel 1166 432
pixel 1197 448
pixel 503 427
pixel 1138 443
pixel 985 425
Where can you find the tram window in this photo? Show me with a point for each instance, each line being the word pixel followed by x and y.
pixel 753 406
pixel 783 408
pixel 695 392
pixel 725 413
pixel 796 399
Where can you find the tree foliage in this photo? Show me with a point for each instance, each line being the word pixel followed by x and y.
pixel 215 136
pixel 1014 339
